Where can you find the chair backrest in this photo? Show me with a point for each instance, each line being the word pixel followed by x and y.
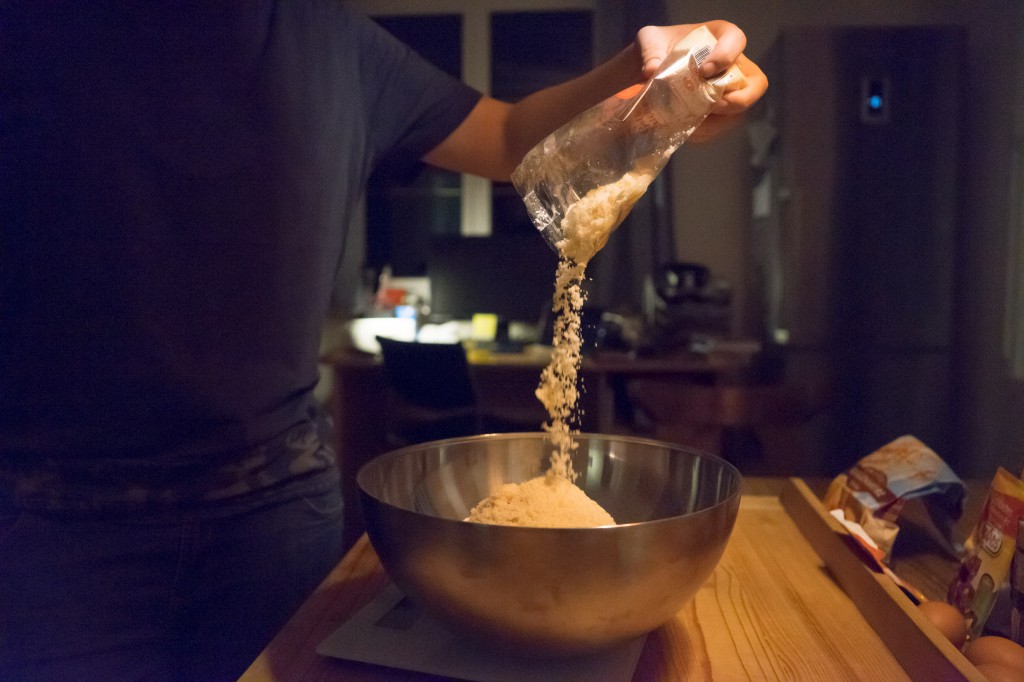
pixel 433 375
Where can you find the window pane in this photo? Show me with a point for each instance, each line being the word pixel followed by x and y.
pixel 402 212
pixel 530 51
pixel 436 37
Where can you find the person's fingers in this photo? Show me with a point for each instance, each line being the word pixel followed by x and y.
pixel 731 43
pixel 743 98
pixel 654 43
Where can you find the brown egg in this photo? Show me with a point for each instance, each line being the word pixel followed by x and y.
pixel 947 619
pixel 994 672
pixel 995 650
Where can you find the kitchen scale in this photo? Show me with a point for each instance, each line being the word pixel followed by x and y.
pixel 393 632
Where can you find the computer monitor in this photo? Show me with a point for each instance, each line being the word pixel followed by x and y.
pixel 512 276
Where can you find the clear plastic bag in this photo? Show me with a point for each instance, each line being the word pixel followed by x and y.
pixel 581 181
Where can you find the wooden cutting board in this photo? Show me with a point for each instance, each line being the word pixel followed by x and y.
pixel 789 601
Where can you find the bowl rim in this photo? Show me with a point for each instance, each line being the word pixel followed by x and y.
pixel 731 498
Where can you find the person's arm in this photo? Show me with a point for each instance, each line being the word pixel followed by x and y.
pixel 493 139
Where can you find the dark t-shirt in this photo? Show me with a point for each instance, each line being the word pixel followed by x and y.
pixel 175 183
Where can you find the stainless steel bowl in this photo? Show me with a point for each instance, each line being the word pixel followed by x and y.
pixel 550 591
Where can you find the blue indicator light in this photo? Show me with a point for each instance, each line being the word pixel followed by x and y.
pixel 875 100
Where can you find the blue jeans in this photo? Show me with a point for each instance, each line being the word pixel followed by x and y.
pixel 191 598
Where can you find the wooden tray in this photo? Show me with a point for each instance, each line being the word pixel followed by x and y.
pixel 923 652
pixel 789 601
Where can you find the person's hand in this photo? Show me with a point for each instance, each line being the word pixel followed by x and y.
pixel 654 42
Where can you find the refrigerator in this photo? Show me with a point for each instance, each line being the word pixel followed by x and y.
pixel 855 152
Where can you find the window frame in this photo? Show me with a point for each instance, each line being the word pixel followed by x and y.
pixel 476 192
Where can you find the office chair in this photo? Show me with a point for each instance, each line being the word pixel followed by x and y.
pixel 431 394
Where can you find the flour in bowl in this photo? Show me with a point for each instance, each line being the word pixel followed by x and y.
pixel 544 502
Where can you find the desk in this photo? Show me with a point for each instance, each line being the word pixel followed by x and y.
pixel 763 650
pixel 504 381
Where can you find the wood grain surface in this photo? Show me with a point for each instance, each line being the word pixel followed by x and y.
pixel 772 611
pixel 769 612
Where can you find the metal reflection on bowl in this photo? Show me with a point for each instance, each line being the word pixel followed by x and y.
pixel 550 591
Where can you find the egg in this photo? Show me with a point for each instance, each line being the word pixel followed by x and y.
pixel 995 650
pixel 994 672
pixel 947 619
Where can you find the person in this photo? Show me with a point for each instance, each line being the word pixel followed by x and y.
pixel 175 184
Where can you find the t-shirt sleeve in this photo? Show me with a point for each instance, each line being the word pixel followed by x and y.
pixel 412 105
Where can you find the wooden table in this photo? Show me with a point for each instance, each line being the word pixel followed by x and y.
pixel 769 612
pixel 510 379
